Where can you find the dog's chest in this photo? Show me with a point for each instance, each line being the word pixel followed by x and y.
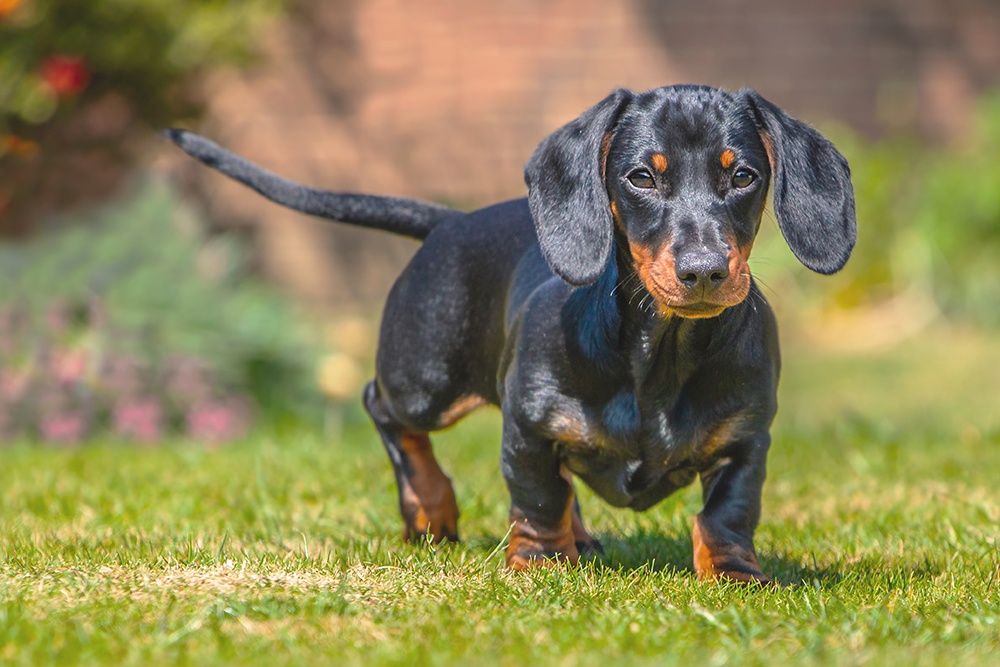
pixel 635 457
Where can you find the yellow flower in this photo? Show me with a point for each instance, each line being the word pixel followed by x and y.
pixel 8 7
pixel 16 145
pixel 339 376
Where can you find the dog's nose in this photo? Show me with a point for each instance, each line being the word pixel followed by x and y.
pixel 706 270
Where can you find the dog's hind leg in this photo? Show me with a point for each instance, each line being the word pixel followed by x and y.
pixel 426 497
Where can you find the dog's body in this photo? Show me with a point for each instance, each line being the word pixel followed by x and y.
pixel 611 316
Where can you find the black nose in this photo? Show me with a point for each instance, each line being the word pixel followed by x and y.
pixel 706 270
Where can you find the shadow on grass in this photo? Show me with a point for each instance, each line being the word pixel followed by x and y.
pixel 656 552
pixel 646 550
pixel 659 552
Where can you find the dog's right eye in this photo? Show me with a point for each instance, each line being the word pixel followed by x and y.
pixel 743 178
pixel 642 179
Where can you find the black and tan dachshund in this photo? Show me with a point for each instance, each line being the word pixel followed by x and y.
pixel 610 315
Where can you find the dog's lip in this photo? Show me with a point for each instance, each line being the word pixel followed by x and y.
pixel 697 310
pixel 694 309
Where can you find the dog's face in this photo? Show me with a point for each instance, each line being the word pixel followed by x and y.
pixel 679 177
pixel 686 193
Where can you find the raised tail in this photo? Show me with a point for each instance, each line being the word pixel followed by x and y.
pixel 407 217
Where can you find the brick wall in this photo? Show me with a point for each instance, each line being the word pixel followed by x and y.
pixel 446 99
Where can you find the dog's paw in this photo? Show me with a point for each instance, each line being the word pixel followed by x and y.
pixel 739 575
pixel 724 560
pixel 431 514
pixel 530 547
pixel 530 559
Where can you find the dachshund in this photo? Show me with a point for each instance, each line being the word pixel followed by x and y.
pixel 610 315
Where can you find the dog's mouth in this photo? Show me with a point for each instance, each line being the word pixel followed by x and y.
pixel 694 309
pixel 675 299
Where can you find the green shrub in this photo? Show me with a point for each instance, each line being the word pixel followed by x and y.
pixel 52 51
pixel 928 226
pixel 138 290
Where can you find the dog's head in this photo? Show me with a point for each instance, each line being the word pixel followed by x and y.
pixel 679 176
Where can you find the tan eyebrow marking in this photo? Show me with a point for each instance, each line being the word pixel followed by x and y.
pixel 659 162
pixel 727 158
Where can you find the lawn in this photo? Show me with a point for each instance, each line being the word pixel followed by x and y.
pixel 881 516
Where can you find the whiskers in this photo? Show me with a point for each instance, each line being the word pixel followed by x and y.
pixel 755 297
pixel 647 303
pixel 633 284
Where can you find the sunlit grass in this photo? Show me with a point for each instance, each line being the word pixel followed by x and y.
pixel 880 514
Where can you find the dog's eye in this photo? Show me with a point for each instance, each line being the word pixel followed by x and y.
pixel 743 178
pixel 641 178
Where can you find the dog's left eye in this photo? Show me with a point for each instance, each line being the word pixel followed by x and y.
pixel 641 178
pixel 743 178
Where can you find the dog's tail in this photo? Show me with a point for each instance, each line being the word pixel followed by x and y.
pixel 407 217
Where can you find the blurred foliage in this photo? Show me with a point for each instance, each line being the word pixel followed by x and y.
pixel 164 295
pixel 928 226
pixel 52 51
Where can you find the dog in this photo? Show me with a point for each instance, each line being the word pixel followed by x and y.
pixel 611 316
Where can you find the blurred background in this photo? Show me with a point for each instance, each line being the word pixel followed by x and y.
pixel 143 295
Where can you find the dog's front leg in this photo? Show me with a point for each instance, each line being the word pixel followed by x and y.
pixel 541 500
pixel 723 531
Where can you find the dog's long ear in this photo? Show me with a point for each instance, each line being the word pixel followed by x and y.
pixel 813 195
pixel 567 195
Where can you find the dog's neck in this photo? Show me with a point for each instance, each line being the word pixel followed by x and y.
pixel 624 334
pixel 656 341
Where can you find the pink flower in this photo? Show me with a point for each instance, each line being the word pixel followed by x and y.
pixel 122 375
pixel 219 420
pixel 68 366
pixel 14 383
pixel 188 381
pixel 64 428
pixel 139 419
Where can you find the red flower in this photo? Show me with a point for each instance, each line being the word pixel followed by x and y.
pixel 65 75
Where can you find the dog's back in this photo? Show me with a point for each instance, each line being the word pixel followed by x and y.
pixel 442 332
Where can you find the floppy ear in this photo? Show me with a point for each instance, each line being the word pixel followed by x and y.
pixel 567 195
pixel 813 195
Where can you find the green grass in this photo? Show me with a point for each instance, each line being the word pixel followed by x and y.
pixel 881 514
